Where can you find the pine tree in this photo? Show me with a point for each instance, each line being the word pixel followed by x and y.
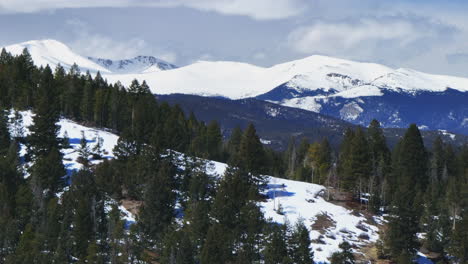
pixel 43 144
pixel 117 234
pixel 301 245
pixel 27 250
pixel 343 257
pixel 82 221
pixel 276 250
pixel 4 134
pixel 252 156
pixel 380 165
pixel 178 248
pixel 233 144
pixel 344 164
pixel 216 248
pixel 411 178
pixel 251 229
pixel 157 210
pixel 214 141
pixel 84 152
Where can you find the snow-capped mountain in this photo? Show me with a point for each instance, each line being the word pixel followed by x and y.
pixel 139 64
pixel 353 91
pixel 52 53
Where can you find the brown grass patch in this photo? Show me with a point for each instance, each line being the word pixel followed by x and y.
pixel 322 223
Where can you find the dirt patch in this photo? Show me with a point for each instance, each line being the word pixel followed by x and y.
pixel 322 223
pixel 132 206
pixel 337 195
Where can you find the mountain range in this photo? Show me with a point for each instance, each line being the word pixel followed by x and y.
pixel 356 92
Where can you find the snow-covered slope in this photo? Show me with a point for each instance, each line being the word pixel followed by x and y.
pixel 74 132
pixel 299 200
pixel 240 80
pixel 329 224
pixel 51 52
pixel 139 64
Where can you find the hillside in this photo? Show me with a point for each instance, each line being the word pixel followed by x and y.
pixel 276 124
pixel 299 200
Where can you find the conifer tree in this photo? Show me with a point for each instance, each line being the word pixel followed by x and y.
pixel 411 175
pixel 276 250
pixel 84 152
pixel 233 144
pixel 82 191
pixel 300 243
pixel 27 250
pixel 157 210
pixel 380 165
pixel 214 141
pixel 343 257
pixel 216 248
pixel 4 134
pixel 252 156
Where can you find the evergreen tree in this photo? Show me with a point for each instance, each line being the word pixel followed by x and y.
pixel 216 248
pixel 410 172
pixel 300 244
pixel 157 210
pixel 345 256
pixel 252 156
pixel 84 152
pixel 380 165
pixel 214 141
pixel 4 134
pixel 276 248
pixel 233 144
pixel 27 250
pixel 83 195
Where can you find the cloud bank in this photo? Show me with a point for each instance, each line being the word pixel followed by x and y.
pixel 256 9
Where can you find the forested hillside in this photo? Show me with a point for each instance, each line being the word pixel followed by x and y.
pixel 185 214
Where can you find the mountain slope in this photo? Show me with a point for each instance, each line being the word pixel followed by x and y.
pixel 298 199
pixel 276 124
pixel 139 64
pixel 51 52
pixel 353 91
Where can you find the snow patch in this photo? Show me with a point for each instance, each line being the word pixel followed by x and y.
pixel 351 111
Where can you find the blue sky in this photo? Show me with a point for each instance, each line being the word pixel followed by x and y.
pixel 428 35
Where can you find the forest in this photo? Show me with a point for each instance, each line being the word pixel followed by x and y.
pixel 422 192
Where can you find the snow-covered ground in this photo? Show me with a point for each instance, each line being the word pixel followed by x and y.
pixel 298 200
pixel 74 132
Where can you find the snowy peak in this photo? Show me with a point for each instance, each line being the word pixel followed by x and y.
pixel 139 64
pixel 52 53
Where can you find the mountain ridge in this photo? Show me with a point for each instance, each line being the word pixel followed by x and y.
pixel 349 90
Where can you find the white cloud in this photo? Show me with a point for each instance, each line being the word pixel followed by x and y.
pixel 256 9
pixel 167 56
pixel 370 38
pixel 97 45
